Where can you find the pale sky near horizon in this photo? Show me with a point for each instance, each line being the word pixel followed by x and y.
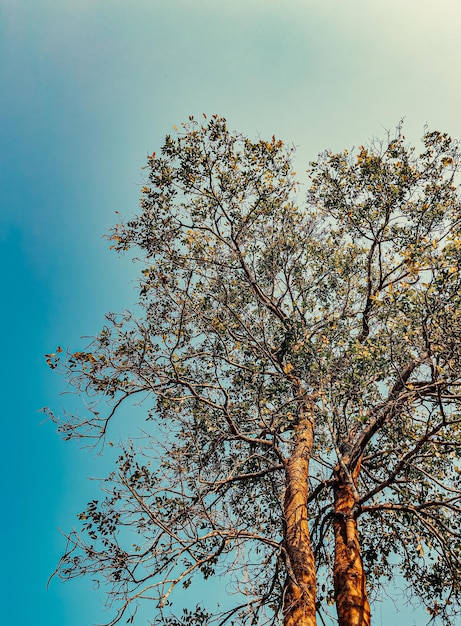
pixel 88 88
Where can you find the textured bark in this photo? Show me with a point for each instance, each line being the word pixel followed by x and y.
pixel 349 577
pixel 300 588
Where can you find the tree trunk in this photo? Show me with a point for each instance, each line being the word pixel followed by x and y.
pixel 349 578
pixel 300 588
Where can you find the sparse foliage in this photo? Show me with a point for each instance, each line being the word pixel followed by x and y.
pixel 298 358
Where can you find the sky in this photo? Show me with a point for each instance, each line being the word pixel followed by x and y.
pixel 88 89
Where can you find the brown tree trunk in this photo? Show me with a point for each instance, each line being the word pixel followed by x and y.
pixel 300 588
pixel 349 577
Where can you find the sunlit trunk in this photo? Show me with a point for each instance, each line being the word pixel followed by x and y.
pixel 349 577
pixel 300 588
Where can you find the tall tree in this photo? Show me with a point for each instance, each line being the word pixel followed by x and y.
pixel 299 362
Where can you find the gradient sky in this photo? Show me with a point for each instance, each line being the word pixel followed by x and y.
pixel 87 89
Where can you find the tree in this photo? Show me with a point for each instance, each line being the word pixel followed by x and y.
pixel 299 362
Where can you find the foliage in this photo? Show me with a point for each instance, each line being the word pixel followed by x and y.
pixel 252 302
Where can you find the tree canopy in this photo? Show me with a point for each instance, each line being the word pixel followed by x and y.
pixel 296 350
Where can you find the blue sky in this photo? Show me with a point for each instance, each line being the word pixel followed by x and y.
pixel 88 89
